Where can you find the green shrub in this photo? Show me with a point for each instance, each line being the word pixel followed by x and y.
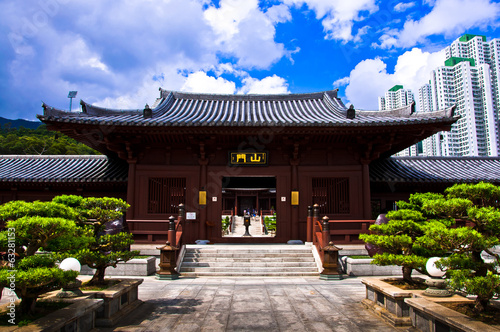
pixel 34 274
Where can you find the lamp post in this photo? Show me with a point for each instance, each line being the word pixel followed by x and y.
pixel 71 289
pixel 71 95
pixel 246 223
pixel 437 285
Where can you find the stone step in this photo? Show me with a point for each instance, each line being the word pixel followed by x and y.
pixel 250 274
pixel 248 264
pixel 212 249
pixel 248 259
pixel 247 253
pixel 230 269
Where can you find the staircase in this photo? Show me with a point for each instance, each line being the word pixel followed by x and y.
pixel 255 228
pixel 248 260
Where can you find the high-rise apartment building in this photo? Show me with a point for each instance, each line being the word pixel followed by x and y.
pixel 396 97
pixel 469 80
pixel 431 146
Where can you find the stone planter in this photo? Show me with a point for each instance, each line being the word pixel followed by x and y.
pixel 388 301
pixel 119 301
pixel 133 267
pixel 363 267
pixel 429 316
pixel 79 316
pixel 95 309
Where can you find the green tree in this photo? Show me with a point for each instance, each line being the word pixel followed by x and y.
pixel 31 275
pixel 398 238
pixel 39 141
pixel 102 250
pixel 68 225
pixel 467 266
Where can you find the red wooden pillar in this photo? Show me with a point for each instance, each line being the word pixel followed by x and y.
pixel 182 213
pixel 367 213
pixel 203 208
pixel 309 224
pixel 315 219
pixel 171 231
pixel 326 231
pixel 295 210
pixel 131 190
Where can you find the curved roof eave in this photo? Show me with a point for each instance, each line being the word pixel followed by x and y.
pixel 321 109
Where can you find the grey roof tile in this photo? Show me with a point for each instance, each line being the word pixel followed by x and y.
pixel 61 169
pixel 436 169
pixel 189 109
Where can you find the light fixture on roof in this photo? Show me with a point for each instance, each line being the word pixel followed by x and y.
pixel 71 95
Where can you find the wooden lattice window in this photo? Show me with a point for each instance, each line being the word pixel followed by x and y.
pixel 165 194
pixel 332 195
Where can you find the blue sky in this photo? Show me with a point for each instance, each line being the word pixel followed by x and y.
pixel 117 53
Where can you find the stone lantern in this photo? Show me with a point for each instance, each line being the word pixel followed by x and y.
pixel 168 262
pixel 437 285
pixel 330 263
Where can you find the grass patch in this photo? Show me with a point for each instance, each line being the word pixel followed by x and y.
pixel 108 283
pixel 42 309
pixel 140 257
pixel 359 256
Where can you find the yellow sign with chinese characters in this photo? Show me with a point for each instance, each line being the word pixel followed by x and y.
pixel 248 158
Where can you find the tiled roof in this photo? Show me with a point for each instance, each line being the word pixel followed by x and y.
pixel 436 169
pixel 189 109
pixel 62 169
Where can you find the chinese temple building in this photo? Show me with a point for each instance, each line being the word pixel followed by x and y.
pixel 240 154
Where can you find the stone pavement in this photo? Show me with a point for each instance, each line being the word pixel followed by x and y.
pixel 251 304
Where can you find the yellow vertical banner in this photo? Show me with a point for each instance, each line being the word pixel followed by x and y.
pixel 202 198
pixel 295 198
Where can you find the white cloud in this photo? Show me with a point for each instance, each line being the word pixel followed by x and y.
pixel 142 92
pixel 244 31
pixel 117 54
pixel 338 16
pixel 201 82
pixel 447 17
pixel 341 82
pixel 279 13
pixel 361 32
pixel 268 85
pixel 403 6
pixel 76 54
pixel 370 79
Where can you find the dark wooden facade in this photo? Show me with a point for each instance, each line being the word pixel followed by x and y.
pixel 179 151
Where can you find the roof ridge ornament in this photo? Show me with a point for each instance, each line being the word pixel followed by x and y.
pixel 148 112
pixel 351 112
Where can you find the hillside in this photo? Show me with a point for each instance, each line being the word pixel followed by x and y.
pixel 19 123
pixel 39 141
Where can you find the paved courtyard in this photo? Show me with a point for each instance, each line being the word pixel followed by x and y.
pixel 251 304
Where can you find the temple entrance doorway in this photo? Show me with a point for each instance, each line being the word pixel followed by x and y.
pixel 248 206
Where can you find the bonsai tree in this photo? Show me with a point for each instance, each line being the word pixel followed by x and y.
pixel 469 269
pixel 24 234
pixel 398 238
pixel 105 247
pixel 225 225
